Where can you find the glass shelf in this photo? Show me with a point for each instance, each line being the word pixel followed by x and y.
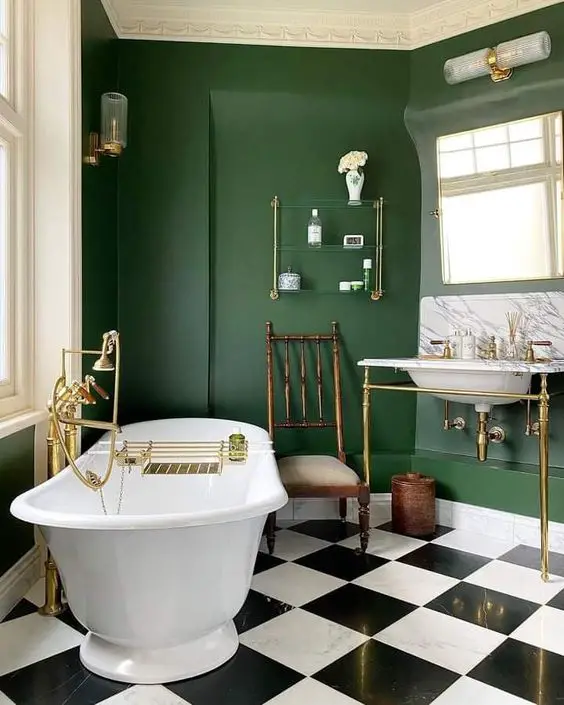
pixel 321 291
pixel 328 204
pixel 324 248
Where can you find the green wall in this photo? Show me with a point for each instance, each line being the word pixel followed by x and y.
pixel 215 132
pixel 434 109
pixel 16 476
pixel 99 194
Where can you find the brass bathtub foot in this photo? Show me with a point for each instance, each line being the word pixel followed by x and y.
pixel 54 604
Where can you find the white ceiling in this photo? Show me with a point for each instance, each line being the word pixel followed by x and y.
pixel 373 24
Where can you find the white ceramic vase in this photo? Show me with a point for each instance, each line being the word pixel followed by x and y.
pixel 355 182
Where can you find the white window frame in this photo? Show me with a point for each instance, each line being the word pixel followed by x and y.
pixel 549 173
pixel 16 393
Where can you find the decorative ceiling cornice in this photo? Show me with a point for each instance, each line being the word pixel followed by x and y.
pixel 171 20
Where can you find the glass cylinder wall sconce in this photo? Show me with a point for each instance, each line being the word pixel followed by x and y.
pixel 113 129
pixel 499 62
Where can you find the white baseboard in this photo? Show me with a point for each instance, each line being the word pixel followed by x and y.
pixel 19 579
pixel 515 528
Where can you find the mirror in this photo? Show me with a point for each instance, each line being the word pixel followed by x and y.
pixel 500 202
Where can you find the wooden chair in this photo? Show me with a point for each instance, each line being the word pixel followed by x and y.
pixel 312 475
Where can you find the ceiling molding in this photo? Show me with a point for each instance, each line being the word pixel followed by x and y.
pixel 172 20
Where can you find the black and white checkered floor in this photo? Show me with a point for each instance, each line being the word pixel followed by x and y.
pixel 459 619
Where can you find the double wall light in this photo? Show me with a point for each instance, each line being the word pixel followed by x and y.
pixel 113 129
pixel 499 62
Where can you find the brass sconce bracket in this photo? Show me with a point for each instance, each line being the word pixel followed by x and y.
pixel 111 149
pixel 497 73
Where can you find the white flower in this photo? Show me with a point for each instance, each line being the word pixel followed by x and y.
pixel 352 161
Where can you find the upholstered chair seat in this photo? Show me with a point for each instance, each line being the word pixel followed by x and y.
pixel 318 470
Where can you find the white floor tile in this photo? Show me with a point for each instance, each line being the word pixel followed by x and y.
pixel 441 639
pixel 470 692
pixel 37 593
pixel 386 544
pixel 5 700
pixel 470 542
pixel 302 641
pixel 294 584
pixel 145 695
pixel 314 692
pixel 544 628
pixel 33 638
pixel 406 582
pixel 291 545
pixel 517 581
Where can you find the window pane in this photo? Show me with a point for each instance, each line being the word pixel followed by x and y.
pixel 499 234
pixel 491 135
pixel 4 343
pixel 3 17
pixel 453 143
pixel 456 164
pixel 492 158
pixel 3 68
pixel 524 153
pixel 525 129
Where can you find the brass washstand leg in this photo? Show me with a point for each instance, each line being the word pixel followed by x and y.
pixel 543 474
pixel 364 500
pixel 53 605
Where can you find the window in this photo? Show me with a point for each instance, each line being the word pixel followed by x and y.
pixel 500 207
pixel 15 253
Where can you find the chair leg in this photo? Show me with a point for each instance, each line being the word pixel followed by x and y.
pixel 343 508
pixel 364 516
pixel 271 532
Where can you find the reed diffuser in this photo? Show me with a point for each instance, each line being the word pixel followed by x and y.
pixel 513 323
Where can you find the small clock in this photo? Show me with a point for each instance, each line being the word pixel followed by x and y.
pixel 351 241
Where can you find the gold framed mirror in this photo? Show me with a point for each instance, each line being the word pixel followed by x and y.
pixel 500 202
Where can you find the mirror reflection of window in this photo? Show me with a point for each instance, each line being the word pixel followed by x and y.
pixel 500 202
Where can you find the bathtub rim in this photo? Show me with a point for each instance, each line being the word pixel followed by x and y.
pixel 22 509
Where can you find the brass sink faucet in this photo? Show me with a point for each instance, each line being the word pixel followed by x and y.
pixel 447 351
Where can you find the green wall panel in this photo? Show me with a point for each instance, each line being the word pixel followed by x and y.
pixel 220 131
pixel 99 196
pixel 435 108
pixel 16 476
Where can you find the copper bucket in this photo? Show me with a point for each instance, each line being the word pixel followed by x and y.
pixel 413 504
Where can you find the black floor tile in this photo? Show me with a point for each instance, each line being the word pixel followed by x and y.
pixel 59 680
pixel 249 678
pixel 360 609
pixel 22 609
pixel 264 561
pixel 557 601
pixel 523 670
pixel 327 529
pixel 441 559
pixel 377 674
pixel 486 608
pixel 258 608
pixel 439 531
pixel 341 562
pixel 529 557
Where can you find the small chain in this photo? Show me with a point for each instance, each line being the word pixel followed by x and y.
pixel 120 498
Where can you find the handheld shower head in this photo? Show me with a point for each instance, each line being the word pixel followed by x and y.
pixel 103 363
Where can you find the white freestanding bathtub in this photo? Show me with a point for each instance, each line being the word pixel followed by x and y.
pixel 158 585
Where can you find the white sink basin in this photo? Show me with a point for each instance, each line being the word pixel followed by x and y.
pixel 472 375
pixel 482 380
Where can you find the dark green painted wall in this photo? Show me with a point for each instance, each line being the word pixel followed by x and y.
pixel 434 109
pixel 99 193
pixel 16 476
pixel 215 132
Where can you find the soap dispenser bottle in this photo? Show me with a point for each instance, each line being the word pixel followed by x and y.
pixel 456 344
pixel 468 345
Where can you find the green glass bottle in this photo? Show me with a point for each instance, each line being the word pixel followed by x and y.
pixel 237 446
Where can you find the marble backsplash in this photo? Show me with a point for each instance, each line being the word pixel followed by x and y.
pixel 542 318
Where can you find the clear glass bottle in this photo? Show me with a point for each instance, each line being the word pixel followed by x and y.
pixel 366 268
pixel 314 229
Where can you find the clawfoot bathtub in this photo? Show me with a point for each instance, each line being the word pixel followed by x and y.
pixel 158 584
